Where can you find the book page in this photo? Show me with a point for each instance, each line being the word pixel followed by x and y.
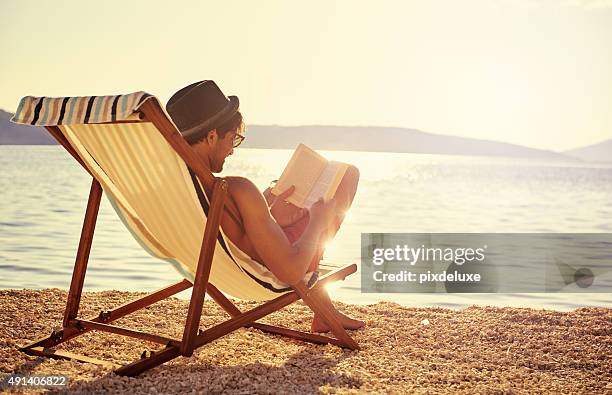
pixel 333 185
pixel 303 171
pixel 327 183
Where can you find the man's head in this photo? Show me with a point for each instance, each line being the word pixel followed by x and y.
pixel 219 143
pixel 208 120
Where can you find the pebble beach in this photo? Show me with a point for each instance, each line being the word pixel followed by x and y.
pixel 416 350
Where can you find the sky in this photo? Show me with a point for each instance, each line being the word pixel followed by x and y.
pixel 529 72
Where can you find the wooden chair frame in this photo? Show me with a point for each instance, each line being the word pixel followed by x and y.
pixel 193 337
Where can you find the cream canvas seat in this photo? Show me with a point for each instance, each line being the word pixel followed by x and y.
pixel 171 204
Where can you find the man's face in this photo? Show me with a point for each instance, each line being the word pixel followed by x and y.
pixel 225 147
pixel 222 149
pixel 214 149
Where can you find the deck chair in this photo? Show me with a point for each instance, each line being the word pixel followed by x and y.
pixel 172 205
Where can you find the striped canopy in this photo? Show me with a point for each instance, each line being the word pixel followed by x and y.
pixel 51 111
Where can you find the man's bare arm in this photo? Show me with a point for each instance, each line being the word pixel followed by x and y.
pixel 288 262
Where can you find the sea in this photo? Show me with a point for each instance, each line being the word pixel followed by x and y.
pixel 43 194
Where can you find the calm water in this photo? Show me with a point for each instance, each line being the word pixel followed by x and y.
pixel 43 195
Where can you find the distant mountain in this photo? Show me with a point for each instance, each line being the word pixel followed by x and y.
pixel 358 138
pixel 13 134
pixel 600 152
pixel 383 139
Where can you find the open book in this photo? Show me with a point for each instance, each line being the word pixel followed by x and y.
pixel 314 177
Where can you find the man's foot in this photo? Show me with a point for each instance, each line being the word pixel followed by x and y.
pixel 320 326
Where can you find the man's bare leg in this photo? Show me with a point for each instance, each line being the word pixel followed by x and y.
pixel 345 194
pixel 344 198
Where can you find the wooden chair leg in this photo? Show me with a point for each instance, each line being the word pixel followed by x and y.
pixel 222 300
pixel 146 363
pixel 207 250
pixel 80 265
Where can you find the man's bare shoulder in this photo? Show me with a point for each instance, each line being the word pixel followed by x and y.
pixel 241 185
pixel 246 195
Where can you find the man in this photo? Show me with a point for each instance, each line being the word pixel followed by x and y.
pixel 286 239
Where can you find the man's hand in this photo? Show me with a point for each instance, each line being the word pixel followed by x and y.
pixel 284 213
pixel 270 198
